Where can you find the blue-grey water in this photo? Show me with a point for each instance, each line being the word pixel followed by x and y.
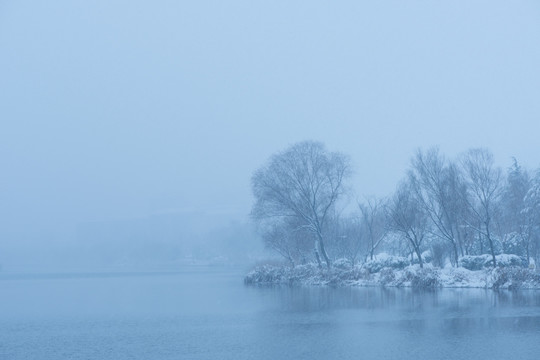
pixel 208 313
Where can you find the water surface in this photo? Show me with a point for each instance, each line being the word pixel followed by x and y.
pixel 208 313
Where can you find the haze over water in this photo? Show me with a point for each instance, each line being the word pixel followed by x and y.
pixel 207 313
pixel 130 112
pixel 130 130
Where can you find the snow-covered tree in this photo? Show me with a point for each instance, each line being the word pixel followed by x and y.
pixel 484 184
pixel 408 218
pixel 288 239
pixel 303 183
pixel 513 222
pixel 441 192
pixel 531 214
pixel 373 223
pixel 347 237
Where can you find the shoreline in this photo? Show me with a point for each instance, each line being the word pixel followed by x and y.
pixel 412 276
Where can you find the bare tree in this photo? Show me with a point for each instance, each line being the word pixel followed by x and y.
pixel 484 183
pixel 287 239
pixel 373 222
pixel 347 236
pixel 441 192
pixel 302 183
pixel 531 214
pixel 513 223
pixel 407 217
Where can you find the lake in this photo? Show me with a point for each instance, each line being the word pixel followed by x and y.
pixel 208 313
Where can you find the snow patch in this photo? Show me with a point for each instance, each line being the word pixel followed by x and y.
pixel 509 277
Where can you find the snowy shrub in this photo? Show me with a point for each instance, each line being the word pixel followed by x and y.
pixel 301 273
pixel 265 274
pixel 506 260
pixel 381 262
pixel 481 246
pixel 506 276
pixel 407 275
pixel 486 261
pixel 513 278
pixel 513 244
pixel 438 253
pixel 425 278
pixel 387 276
pixel 427 257
pixel 457 275
pixel 343 264
pixel 510 278
pixel 339 277
pixel 471 262
pixel 499 277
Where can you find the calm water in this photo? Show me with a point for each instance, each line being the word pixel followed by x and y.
pixel 207 313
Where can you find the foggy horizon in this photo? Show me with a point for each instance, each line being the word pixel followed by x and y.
pixel 242 180
pixel 117 111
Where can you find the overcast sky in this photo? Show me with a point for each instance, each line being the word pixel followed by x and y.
pixel 122 109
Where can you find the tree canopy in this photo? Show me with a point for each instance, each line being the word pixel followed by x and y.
pixel 302 183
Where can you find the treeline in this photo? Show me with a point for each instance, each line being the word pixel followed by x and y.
pixel 443 210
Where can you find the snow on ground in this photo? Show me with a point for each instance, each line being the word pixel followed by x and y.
pixel 409 276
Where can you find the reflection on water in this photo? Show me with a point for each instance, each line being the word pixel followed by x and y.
pixel 207 313
pixel 406 299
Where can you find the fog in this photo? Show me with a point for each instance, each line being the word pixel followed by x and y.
pixel 130 129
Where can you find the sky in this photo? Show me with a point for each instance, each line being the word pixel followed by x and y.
pixel 113 110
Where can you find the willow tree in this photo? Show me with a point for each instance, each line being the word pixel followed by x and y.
pixel 484 183
pixel 373 221
pixel 408 218
pixel 441 191
pixel 301 186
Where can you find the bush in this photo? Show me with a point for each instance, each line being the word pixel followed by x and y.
pixel 486 261
pixel 438 254
pixel 381 262
pixel 458 275
pixel 507 260
pixel 427 256
pixel 406 275
pixel 300 273
pixel 425 278
pixel 343 264
pixel 513 278
pixel 387 276
pixel 474 263
pixel 340 277
pixel 513 244
pixel 266 274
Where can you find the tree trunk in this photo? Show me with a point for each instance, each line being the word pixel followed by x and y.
pixel 417 250
pixel 491 245
pixel 456 254
pixel 323 251
pixel 317 256
pixel 460 243
pixel 528 255
pixel 291 260
pixel 481 243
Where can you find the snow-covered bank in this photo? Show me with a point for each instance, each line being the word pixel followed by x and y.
pixel 411 276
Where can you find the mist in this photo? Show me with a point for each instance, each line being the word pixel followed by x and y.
pixel 118 111
pixel 142 145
